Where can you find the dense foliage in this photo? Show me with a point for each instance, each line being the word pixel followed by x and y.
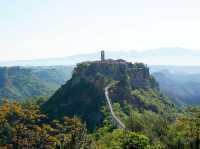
pixel 24 126
pixel 80 98
pixel 154 130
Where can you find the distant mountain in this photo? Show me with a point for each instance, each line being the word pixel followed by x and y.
pixel 21 82
pixel 162 56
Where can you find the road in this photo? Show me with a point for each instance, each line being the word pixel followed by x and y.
pixel 118 121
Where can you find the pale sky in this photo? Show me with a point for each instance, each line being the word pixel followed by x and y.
pixel 32 29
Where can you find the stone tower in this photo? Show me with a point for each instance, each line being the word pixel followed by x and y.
pixel 102 55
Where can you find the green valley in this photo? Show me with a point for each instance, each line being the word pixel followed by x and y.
pixel 17 83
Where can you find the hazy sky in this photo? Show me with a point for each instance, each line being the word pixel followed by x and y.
pixel 32 29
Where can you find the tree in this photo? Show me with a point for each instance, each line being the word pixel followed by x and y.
pixel 121 139
pixel 189 127
pixel 24 126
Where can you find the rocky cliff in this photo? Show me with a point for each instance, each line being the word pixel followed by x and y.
pixel 137 75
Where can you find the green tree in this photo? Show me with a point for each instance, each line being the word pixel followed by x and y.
pixel 24 126
pixel 189 127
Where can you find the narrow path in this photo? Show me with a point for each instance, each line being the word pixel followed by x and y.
pixel 118 121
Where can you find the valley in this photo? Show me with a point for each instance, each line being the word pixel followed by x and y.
pixel 97 101
pixel 99 74
pixel 20 83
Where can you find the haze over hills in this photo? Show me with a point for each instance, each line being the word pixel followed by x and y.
pixel 180 83
pixel 182 88
pixel 18 83
pixel 161 56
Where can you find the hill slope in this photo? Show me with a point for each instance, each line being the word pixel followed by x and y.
pixel 83 95
pixel 21 82
pixel 183 88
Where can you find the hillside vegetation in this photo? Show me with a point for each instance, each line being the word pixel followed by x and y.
pixel 83 95
pixel 22 82
pixel 78 117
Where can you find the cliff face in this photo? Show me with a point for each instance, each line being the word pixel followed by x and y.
pixel 83 95
pixel 137 75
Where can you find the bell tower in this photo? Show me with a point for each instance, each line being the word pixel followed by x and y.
pixel 102 55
